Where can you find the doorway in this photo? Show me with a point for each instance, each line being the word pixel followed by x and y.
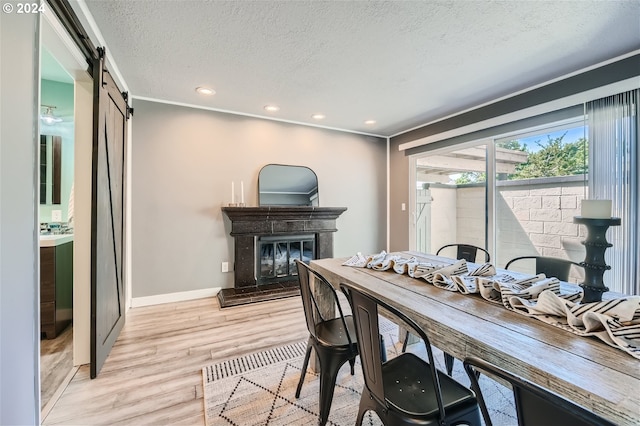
pixel 66 91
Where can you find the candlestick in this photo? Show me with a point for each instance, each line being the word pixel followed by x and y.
pixel 596 209
pixel 594 264
pixel 242 192
pixel 233 192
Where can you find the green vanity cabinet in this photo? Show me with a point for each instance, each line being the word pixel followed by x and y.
pixel 56 288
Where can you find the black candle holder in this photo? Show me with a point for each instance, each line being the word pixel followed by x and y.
pixel 594 264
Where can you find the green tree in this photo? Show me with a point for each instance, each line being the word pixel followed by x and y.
pixel 513 145
pixel 471 177
pixel 554 159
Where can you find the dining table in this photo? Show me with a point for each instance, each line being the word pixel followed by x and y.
pixel 599 377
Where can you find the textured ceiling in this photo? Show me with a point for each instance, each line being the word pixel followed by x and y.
pixel 401 63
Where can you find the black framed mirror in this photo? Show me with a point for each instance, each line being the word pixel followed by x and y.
pixel 285 185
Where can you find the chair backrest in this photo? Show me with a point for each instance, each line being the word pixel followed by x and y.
pixel 324 291
pixel 534 404
pixel 550 266
pixel 467 252
pixel 365 314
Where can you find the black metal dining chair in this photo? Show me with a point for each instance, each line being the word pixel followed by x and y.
pixel 550 266
pixel 467 252
pixel 405 390
pixel 332 338
pixel 535 406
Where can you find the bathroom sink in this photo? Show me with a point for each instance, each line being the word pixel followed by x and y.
pixel 54 240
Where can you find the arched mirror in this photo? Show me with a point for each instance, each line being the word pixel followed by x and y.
pixel 283 185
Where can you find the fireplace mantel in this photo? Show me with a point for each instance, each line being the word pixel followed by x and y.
pixel 272 220
pixel 247 223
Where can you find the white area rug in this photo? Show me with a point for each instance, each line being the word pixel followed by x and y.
pixel 259 389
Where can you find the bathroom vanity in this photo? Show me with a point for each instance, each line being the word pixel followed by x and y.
pixel 56 283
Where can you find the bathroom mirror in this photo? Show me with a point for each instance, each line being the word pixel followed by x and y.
pixel 50 169
pixel 284 185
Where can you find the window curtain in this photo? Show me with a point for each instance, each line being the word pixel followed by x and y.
pixel 613 174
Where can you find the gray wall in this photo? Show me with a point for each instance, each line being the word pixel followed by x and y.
pixel 183 163
pixel 19 319
pixel 60 95
pixel 398 194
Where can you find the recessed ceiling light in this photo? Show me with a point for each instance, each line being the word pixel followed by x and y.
pixel 370 122
pixel 205 91
pixel 272 108
pixel 318 116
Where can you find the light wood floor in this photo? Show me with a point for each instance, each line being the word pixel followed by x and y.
pixel 56 361
pixel 153 375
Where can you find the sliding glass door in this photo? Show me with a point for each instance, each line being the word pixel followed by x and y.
pixel 450 198
pixel 515 194
pixel 538 195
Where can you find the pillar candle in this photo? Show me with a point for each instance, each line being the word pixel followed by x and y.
pixel 596 209
pixel 233 192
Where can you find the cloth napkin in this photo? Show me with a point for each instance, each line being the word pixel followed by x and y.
pixel 616 322
pixel 358 261
pixel 442 278
pixel 383 261
pixel 470 283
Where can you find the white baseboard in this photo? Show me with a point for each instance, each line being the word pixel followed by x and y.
pixel 159 299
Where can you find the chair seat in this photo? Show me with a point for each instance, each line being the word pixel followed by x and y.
pixel 408 387
pixel 331 332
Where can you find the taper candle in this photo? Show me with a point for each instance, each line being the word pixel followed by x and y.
pixel 242 191
pixel 233 192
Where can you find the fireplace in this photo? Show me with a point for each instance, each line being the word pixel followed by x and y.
pixel 266 242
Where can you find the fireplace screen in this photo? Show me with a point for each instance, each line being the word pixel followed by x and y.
pixel 277 255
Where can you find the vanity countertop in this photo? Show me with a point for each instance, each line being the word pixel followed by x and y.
pixel 55 240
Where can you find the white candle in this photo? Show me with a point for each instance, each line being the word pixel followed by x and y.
pixel 233 193
pixel 242 192
pixel 596 209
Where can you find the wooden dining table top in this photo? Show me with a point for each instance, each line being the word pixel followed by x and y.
pixel 585 370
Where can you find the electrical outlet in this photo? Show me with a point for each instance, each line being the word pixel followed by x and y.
pixel 225 266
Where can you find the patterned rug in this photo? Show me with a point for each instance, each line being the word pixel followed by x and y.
pixel 259 389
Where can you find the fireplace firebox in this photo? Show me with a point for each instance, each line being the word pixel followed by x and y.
pixel 266 242
pixel 277 255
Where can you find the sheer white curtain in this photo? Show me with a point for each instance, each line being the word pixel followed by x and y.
pixel 613 174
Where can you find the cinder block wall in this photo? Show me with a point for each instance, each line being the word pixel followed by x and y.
pixel 534 217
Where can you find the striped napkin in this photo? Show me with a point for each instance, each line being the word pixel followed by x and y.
pixel 470 283
pixel 443 277
pixel 616 322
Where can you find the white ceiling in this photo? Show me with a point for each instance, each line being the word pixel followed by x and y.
pixel 402 63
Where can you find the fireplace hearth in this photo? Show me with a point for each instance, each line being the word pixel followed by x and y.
pixel 267 241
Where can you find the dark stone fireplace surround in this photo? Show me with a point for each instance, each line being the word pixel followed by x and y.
pixel 248 223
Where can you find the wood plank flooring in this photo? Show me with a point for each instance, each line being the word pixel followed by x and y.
pixel 56 361
pixel 153 375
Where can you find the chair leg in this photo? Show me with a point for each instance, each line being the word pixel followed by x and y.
pixel 448 362
pixel 327 384
pixel 365 405
pixel 303 372
pixel 352 363
pixel 406 341
pixel 328 374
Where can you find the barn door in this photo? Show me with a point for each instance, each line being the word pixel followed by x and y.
pixel 107 227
